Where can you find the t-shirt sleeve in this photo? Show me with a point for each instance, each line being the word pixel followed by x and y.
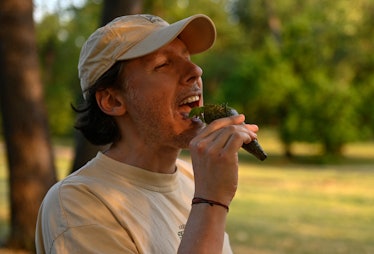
pixel 72 219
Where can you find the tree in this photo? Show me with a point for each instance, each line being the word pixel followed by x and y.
pixel 308 78
pixel 29 151
pixel 288 65
pixel 116 8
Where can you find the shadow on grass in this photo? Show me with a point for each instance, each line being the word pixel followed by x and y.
pixel 278 159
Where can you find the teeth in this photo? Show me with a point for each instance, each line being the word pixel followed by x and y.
pixel 190 100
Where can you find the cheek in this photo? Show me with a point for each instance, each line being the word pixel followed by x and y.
pixel 147 108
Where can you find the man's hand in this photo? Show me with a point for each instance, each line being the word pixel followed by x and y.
pixel 214 153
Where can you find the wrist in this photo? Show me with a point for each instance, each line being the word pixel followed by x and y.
pixel 199 200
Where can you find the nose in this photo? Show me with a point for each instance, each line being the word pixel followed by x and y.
pixel 192 73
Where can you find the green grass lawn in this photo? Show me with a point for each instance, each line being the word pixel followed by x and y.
pixel 310 204
pixel 303 209
pixel 287 206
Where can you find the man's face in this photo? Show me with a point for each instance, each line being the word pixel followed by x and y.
pixel 162 87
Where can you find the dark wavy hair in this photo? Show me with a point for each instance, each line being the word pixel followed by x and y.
pixel 96 126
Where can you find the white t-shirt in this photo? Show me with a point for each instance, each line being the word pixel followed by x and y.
pixel 111 207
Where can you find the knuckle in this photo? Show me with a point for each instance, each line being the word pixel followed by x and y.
pixel 198 145
pixel 236 135
pixel 230 128
pixel 201 145
pixel 211 152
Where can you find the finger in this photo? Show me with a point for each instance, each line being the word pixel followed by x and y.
pixel 225 137
pixel 235 141
pixel 205 142
pixel 222 122
pixel 216 141
pixel 253 136
pixel 252 127
pixel 250 130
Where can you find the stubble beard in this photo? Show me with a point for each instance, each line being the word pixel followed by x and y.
pixel 153 125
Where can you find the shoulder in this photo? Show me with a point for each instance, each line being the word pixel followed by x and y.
pixel 71 200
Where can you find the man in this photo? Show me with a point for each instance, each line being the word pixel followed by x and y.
pixel 139 85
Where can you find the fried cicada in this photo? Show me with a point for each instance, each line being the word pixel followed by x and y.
pixel 211 112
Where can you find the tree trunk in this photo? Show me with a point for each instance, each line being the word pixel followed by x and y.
pixel 85 151
pixel 29 151
pixel 116 8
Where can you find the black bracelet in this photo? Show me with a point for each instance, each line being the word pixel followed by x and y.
pixel 197 200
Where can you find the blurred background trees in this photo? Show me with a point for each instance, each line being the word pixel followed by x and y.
pixel 25 127
pixel 303 68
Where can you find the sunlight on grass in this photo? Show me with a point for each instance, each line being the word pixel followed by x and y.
pixel 64 157
pixel 303 209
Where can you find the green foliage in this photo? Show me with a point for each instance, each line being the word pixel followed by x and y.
pixel 316 65
pixel 304 67
pixel 60 37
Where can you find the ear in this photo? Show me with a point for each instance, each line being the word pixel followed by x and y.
pixel 111 102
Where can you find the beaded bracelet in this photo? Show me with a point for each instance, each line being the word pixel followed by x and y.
pixel 197 200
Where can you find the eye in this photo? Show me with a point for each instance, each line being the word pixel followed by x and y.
pixel 162 65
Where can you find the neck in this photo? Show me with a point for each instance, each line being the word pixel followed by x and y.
pixel 160 160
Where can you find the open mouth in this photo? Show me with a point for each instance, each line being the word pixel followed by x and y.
pixel 187 104
pixel 191 102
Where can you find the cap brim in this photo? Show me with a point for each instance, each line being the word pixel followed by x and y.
pixel 197 32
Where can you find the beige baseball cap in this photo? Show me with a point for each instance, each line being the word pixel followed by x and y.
pixel 133 36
